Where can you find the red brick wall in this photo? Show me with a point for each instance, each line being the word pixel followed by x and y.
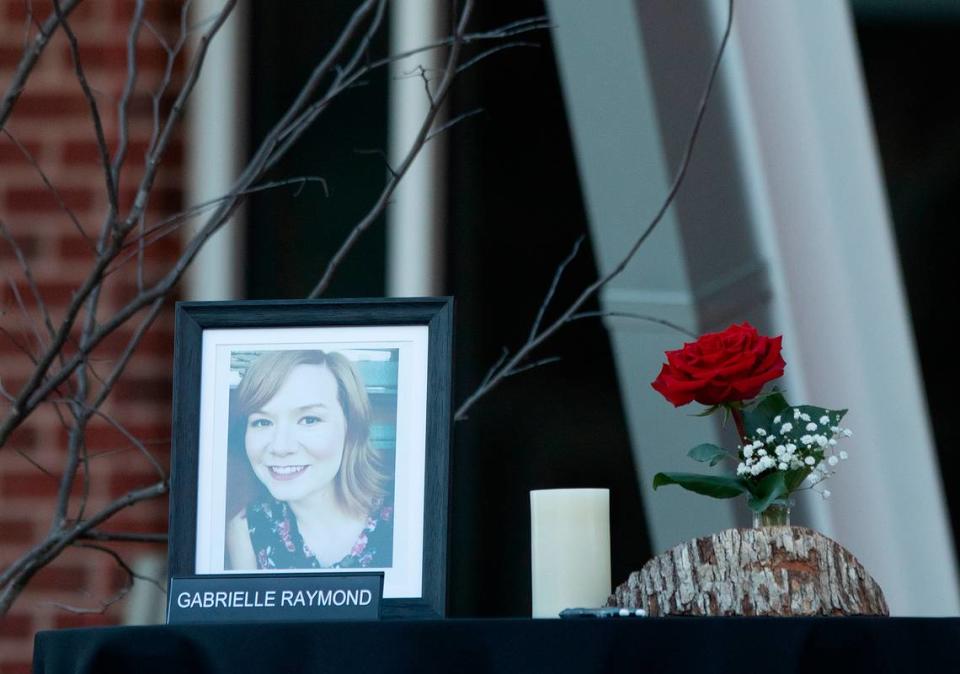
pixel 52 120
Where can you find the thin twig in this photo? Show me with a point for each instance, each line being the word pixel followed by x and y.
pixel 28 276
pixel 551 291
pixel 496 365
pixel 123 131
pixel 493 50
pixel 640 317
pixel 52 188
pixel 449 124
pixel 161 473
pixel 380 153
pixel 131 576
pixel 36 464
pixel 536 363
pixel 29 60
pixel 20 346
pixel 171 223
pixel 94 109
pixel 124 537
pixel 28 320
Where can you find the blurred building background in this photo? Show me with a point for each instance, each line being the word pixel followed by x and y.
pixel 816 206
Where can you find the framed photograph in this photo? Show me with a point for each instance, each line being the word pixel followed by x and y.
pixel 312 436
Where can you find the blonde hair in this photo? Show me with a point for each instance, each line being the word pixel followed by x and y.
pixel 361 481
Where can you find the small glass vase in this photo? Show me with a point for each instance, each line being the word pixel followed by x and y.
pixel 776 515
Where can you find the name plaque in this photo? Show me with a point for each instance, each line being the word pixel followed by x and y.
pixel 308 597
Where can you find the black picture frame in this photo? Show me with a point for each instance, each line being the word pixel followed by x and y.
pixel 193 318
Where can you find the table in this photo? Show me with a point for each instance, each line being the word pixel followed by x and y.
pixel 701 645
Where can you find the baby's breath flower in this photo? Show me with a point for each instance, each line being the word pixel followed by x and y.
pixel 844 456
pixel 811 426
pixel 786 428
pixel 824 420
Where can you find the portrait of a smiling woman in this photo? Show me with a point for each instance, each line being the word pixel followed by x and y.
pixel 311 460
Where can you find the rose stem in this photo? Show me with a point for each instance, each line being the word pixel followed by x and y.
pixel 738 420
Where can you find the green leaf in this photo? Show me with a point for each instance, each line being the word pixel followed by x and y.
pixel 794 478
pixel 762 414
pixel 768 490
pixel 707 453
pixel 707 412
pixel 707 485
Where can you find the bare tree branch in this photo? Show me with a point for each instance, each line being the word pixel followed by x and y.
pixel 37 387
pixel 123 131
pixel 94 109
pixel 16 576
pixel 131 576
pixel 159 146
pixel 538 337
pixel 122 236
pixel 29 60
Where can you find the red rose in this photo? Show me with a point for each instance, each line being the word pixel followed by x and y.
pixel 721 367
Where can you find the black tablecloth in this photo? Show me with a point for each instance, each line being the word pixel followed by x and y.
pixel 701 645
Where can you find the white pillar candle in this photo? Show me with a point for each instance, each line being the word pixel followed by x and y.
pixel 570 549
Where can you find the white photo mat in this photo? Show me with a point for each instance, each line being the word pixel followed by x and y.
pixel 404 577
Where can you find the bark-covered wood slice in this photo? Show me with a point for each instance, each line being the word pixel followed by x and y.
pixel 772 571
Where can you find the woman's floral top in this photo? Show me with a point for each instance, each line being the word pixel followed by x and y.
pixel 278 544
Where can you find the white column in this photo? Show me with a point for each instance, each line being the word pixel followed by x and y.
pixel 415 218
pixel 215 152
pixel 831 249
